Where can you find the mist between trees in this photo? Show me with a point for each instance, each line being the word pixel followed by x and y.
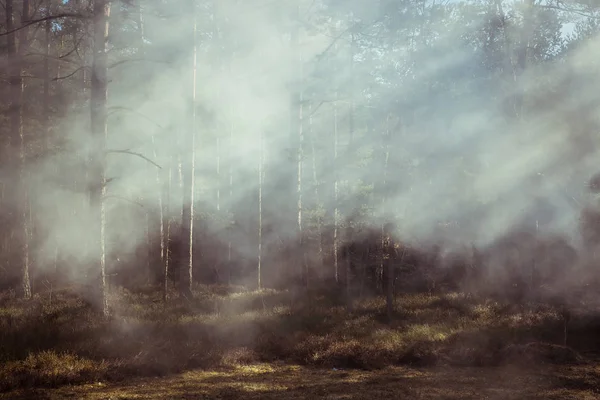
pixel 362 146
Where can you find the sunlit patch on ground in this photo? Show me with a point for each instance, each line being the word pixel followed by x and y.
pixel 274 381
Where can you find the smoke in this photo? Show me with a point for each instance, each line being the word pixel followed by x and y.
pixel 460 150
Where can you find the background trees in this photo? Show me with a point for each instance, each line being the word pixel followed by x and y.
pixel 318 121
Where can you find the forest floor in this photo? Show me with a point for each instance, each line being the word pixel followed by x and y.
pixel 231 343
pixel 280 381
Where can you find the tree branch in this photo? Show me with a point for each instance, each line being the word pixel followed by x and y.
pixel 59 58
pixel 122 108
pixel 121 62
pixel 133 153
pixel 58 78
pixel 114 196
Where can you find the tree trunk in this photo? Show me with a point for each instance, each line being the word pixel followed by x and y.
pixel 167 223
pixel 297 137
pixel 260 209
pixel 17 132
pixel 386 263
pixel 299 190
pixel 218 70
pixel 350 229
pixel 24 201
pixel 187 171
pixel 336 194
pixel 336 189
pixel 98 109
pixel 156 251
pixel 316 189
pixel 46 111
pixel 230 216
pixel 46 102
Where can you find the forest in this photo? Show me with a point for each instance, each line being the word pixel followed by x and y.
pixel 300 198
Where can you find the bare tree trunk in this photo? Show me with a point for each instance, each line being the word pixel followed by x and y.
pixel 98 105
pixel 230 196
pixel 161 216
pixel 336 189
pixel 336 193
pixel 16 66
pixel 23 43
pixel 350 229
pixel 219 65
pixel 188 173
pixel 156 251
pixel 57 75
pixel 86 44
pixel 385 235
pixel 297 136
pixel 46 103
pixel 46 111
pixel 230 174
pixel 167 223
pixel 260 209
pixel 316 185
pixel 299 190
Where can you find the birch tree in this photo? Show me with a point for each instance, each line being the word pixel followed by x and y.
pixel 15 53
pixel 188 170
pixel 98 110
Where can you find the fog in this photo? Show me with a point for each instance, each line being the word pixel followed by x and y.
pixel 461 150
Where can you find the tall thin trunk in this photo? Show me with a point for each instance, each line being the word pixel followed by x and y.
pixel 218 171
pixel 260 209
pixel 297 134
pixel 46 100
pixel 46 110
pixel 219 66
pixel 349 230
pixel 58 64
pixel 385 262
pixel 316 185
pixel 299 190
pixel 98 109
pixel 336 189
pixel 231 121
pixel 336 193
pixel 230 193
pixel 17 132
pixel 167 223
pixel 161 216
pixel 85 43
pixel 188 172
pixel 155 223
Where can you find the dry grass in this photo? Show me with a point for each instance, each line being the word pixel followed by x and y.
pixel 276 381
pixel 52 342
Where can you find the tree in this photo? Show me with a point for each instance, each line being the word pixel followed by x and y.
pixel 99 125
pixel 188 170
pixel 15 55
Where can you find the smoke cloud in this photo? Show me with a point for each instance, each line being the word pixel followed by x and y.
pixel 461 149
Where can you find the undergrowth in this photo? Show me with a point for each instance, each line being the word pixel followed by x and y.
pixel 57 339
